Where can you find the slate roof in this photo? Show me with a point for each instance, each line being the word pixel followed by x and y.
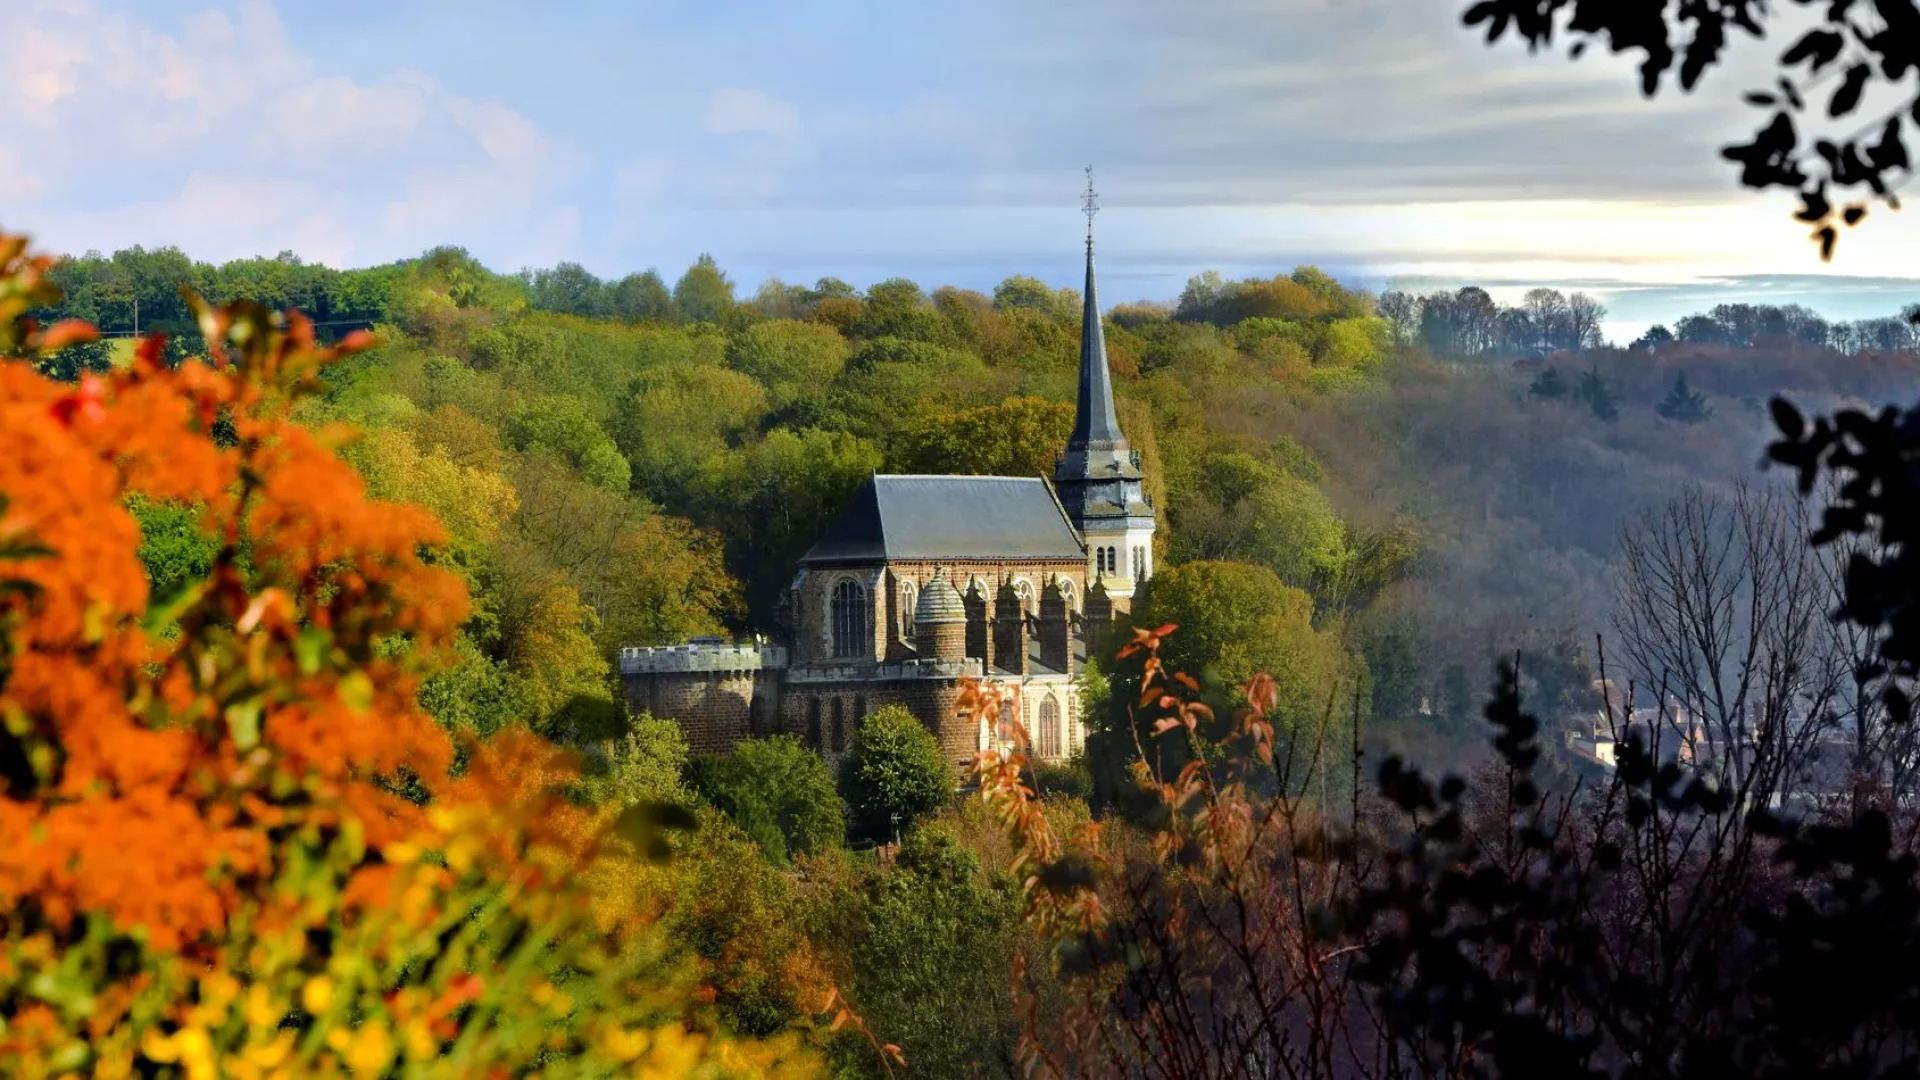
pixel 950 517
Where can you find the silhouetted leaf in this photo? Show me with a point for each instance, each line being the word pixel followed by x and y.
pixel 1847 97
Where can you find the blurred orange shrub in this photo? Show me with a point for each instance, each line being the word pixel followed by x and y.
pixel 234 849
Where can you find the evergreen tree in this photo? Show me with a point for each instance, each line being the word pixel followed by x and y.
pixel 1597 396
pixel 1656 336
pixel 1684 404
pixel 1549 384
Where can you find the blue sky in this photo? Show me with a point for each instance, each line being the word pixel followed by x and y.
pixel 868 139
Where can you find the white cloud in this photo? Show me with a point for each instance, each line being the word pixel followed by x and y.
pixel 220 135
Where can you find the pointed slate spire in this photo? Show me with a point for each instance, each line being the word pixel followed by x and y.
pixel 1094 425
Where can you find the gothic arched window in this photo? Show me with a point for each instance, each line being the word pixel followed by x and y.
pixel 859 710
pixel 906 610
pixel 1066 593
pixel 813 723
pixel 839 725
pixel 852 633
pixel 1049 728
pixel 1024 589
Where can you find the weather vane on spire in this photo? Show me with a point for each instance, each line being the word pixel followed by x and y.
pixel 1090 206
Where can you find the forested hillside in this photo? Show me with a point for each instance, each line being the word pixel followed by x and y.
pixel 1437 480
pixel 1364 495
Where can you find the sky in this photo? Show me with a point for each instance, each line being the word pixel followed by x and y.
pixel 865 139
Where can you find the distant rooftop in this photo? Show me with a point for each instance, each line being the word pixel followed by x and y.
pixel 950 517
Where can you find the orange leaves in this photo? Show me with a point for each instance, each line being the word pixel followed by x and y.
pixel 129 809
pixel 220 804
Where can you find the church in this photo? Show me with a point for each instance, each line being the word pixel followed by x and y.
pixel 926 582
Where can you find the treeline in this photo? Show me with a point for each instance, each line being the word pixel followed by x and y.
pixel 1469 323
pixel 1777 326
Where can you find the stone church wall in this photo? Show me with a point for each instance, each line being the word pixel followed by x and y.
pixel 806 704
pixel 719 694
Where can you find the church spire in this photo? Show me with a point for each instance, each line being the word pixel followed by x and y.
pixel 1094 426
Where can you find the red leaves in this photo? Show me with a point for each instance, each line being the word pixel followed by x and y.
pixel 85 405
pixel 1262 693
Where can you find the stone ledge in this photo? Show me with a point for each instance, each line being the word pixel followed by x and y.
pixel 669 659
pixel 905 669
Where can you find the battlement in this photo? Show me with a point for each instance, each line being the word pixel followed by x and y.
pixel 670 659
pixel 970 667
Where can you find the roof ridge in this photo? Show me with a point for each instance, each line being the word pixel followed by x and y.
pixel 953 476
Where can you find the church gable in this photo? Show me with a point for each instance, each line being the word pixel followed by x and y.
pixel 896 518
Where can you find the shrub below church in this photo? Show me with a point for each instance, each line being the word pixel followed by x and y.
pixel 778 792
pixel 894 766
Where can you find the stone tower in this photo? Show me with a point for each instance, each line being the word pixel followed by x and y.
pixel 940 621
pixel 1098 477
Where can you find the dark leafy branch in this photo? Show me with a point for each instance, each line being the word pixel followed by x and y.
pixel 1864 46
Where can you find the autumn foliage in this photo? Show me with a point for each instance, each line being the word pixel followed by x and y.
pixel 233 846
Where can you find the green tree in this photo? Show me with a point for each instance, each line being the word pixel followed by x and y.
pixel 641 297
pixel 937 939
pixel 1550 385
pixel 733 909
pixel 1234 620
pixel 703 294
pixel 791 359
pixel 70 363
pixel 773 499
pixel 1021 293
pixel 645 763
pixel 1597 395
pixel 1244 508
pixel 562 426
pixel 1684 404
pixel 894 773
pixel 568 288
pixel 678 419
pixel 777 792
pixel 1019 436
pixel 175 549
pixel 1396 673
pixel 898 307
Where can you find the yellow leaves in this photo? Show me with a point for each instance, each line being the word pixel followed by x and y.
pixel 370 1049
pixel 261 1008
pixel 418 1041
pixel 270 1055
pixel 473 503
pixel 189 1047
pixel 317 995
